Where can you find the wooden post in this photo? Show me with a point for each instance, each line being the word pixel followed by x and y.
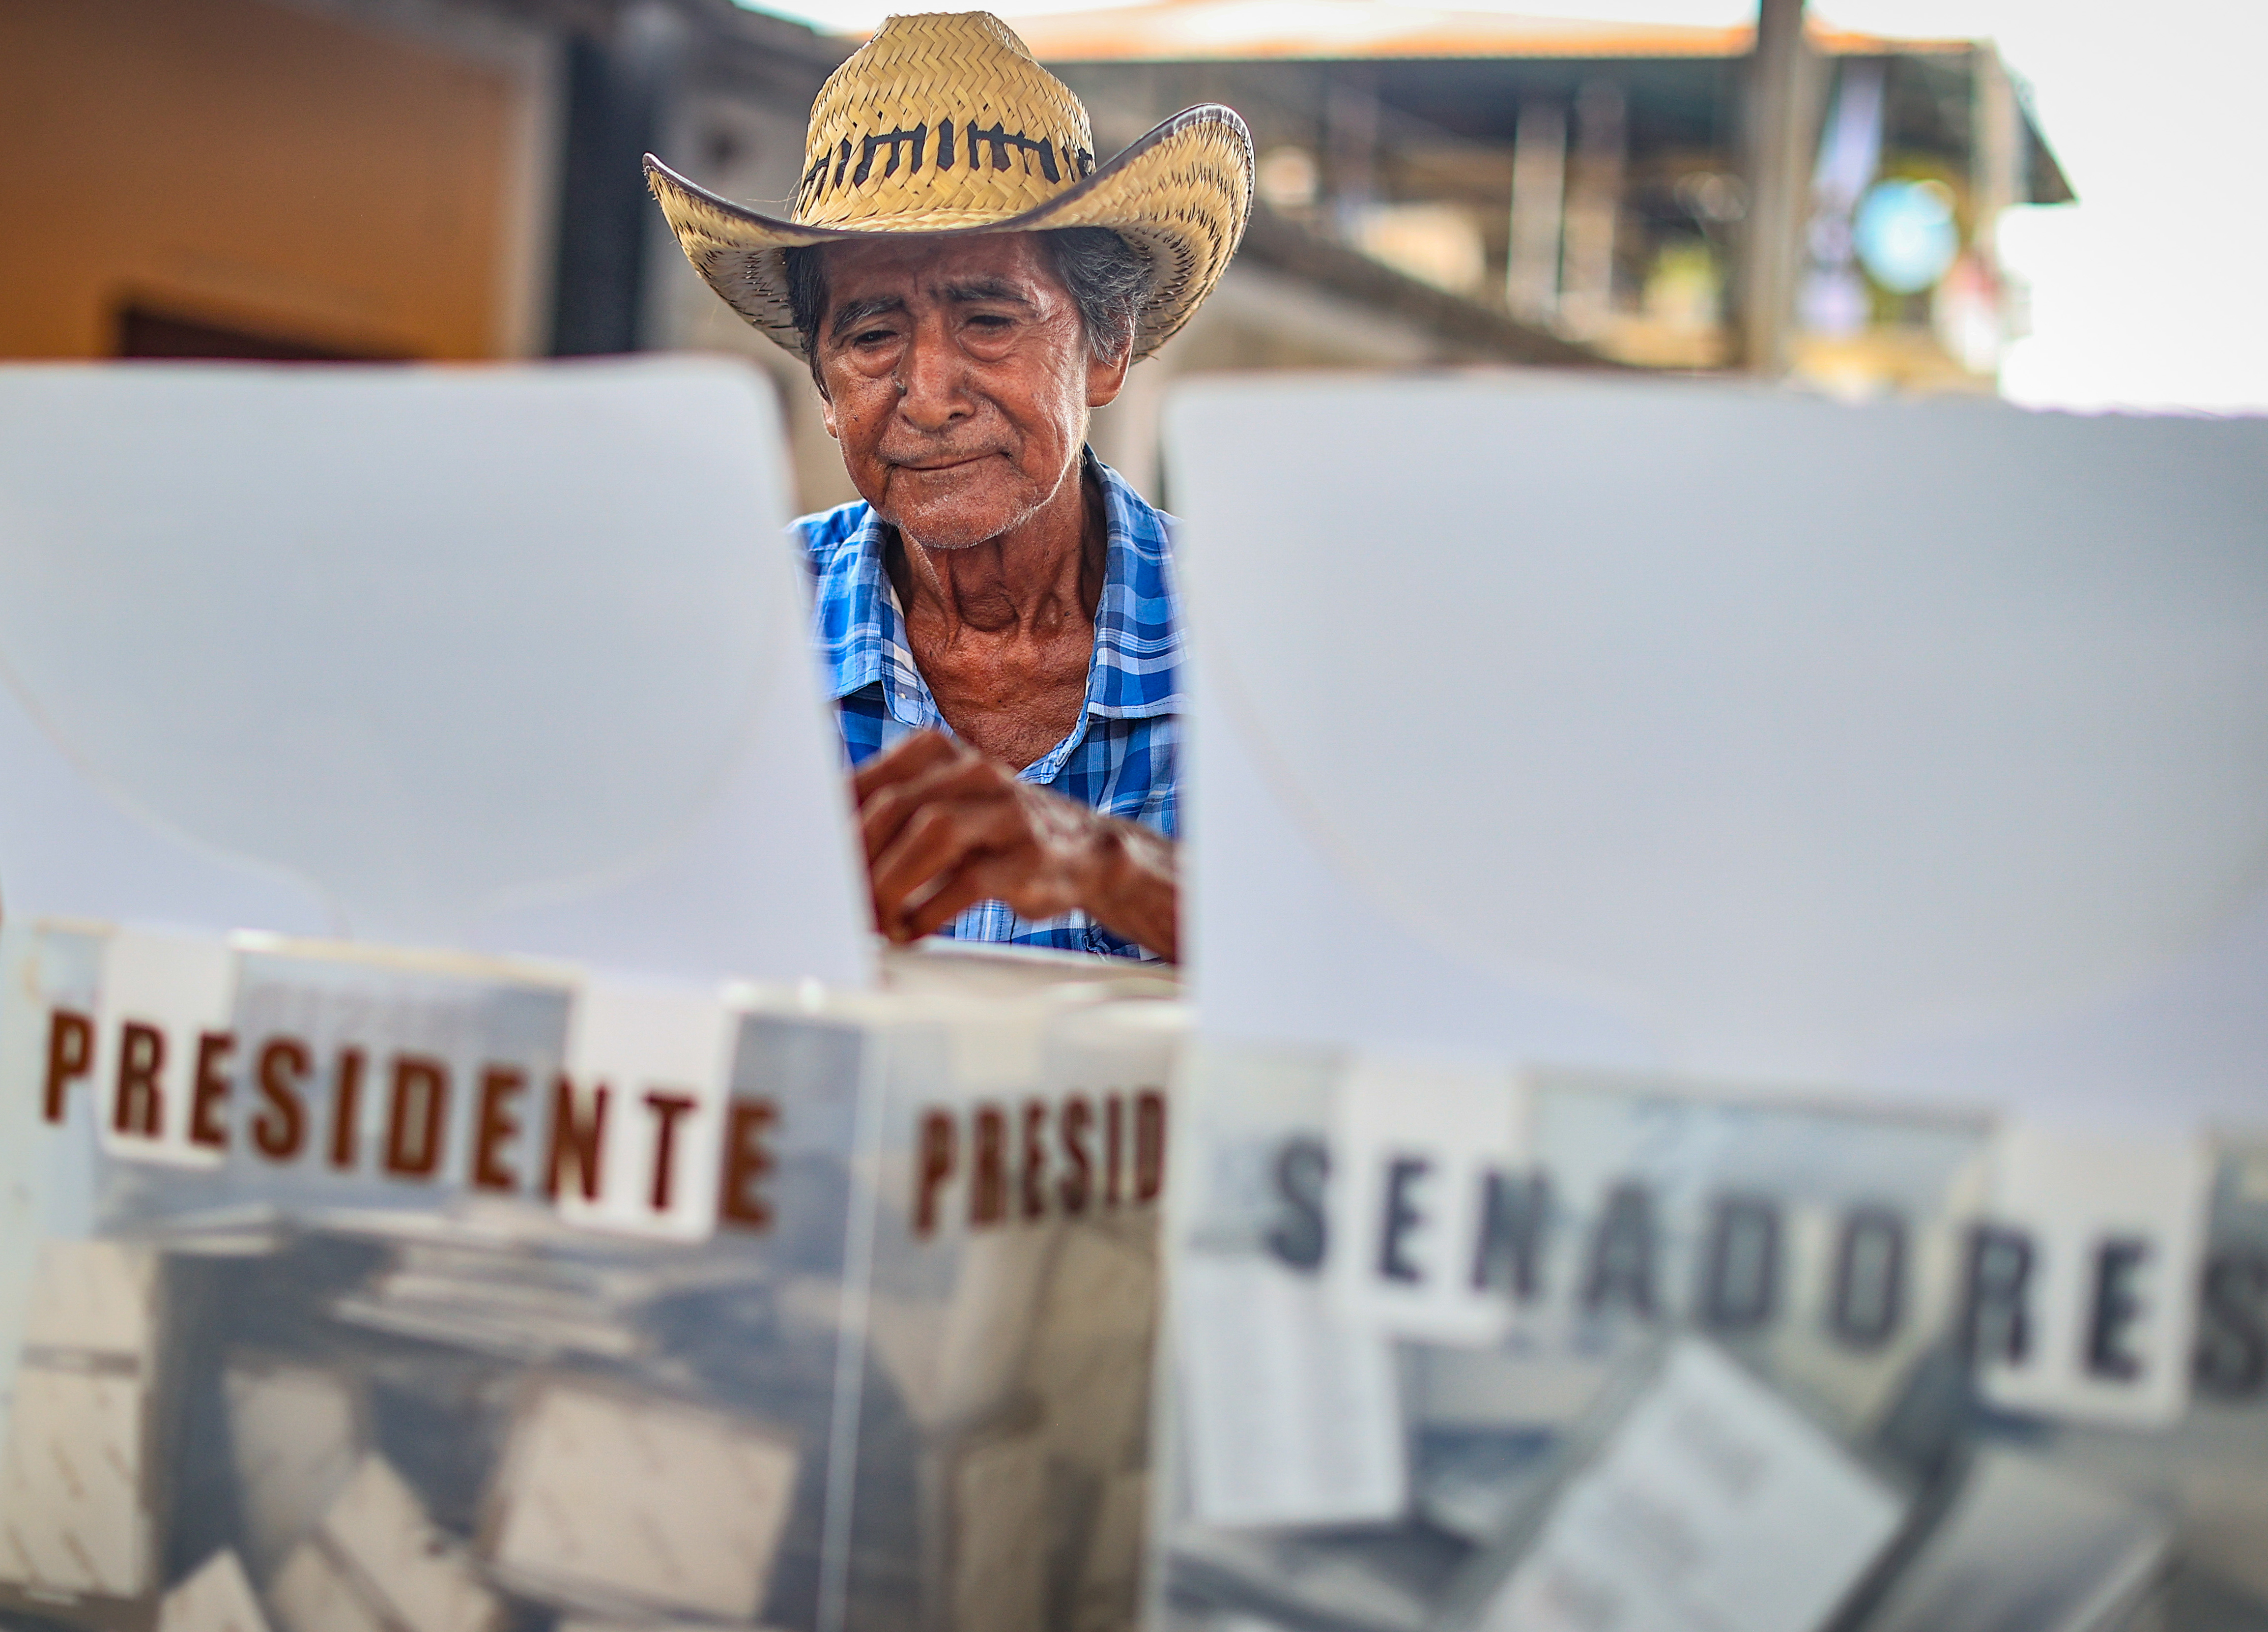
pixel 1780 93
pixel 1539 184
pixel 619 89
pixel 1594 201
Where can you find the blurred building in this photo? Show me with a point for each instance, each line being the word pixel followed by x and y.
pixel 1592 180
pixel 459 179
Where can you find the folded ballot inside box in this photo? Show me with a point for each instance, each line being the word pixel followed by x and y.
pixel 443 1293
pixel 79 1506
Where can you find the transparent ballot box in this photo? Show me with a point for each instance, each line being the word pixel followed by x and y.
pixel 1454 1349
pixel 346 1288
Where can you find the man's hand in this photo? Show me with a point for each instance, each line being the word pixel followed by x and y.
pixel 947 828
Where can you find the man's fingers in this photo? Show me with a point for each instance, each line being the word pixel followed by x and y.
pixel 967 778
pixel 984 879
pixel 903 761
pixel 935 840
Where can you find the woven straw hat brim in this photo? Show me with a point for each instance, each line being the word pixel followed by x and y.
pixel 1181 196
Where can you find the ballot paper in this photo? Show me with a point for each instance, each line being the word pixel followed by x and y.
pixel 73 1514
pixel 1091 1351
pixel 75 1493
pixel 1105 1597
pixel 214 1598
pixel 1000 1531
pixel 1712 1503
pixel 377 1561
pixel 607 1498
pixel 295 1438
pixel 1288 1417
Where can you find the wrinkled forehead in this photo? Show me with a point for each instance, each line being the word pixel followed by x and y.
pixel 933 267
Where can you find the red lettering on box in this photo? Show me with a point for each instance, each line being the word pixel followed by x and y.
pixel 746 1161
pixel 416 1116
pixel 497 1125
pixel 70 1052
pixel 209 1091
pixel 280 1126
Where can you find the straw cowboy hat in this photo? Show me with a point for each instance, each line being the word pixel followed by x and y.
pixel 944 123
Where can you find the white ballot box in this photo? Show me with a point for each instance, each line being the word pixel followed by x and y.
pixel 1734 986
pixel 462 1166
pixel 474 1292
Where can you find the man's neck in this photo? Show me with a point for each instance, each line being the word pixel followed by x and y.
pixel 1033 581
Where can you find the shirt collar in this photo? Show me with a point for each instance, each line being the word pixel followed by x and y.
pixel 1135 670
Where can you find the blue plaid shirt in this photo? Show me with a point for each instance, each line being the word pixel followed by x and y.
pixel 1121 757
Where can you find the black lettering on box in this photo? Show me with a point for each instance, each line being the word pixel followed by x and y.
pixel 1739 1265
pixel 1868 1296
pixel 1621 1253
pixel 1995 1321
pixel 1301 1234
pixel 2114 1308
pixel 2232 1352
pixel 1509 1252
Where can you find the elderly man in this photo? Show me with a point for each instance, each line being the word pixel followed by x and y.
pixel 997 612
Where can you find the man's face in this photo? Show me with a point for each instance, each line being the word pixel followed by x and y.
pixel 957 380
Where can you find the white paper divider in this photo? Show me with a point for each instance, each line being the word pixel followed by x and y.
pixel 1912 748
pixel 512 659
pixel 648 1067
pixel 1419 1144
pixel 2083 1285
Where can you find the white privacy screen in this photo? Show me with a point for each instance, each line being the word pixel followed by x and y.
pixel 1660 723
pixel 512 659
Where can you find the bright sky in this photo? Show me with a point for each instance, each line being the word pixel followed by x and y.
pixel 2153 290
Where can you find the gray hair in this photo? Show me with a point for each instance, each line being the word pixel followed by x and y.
pixel 1106 277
